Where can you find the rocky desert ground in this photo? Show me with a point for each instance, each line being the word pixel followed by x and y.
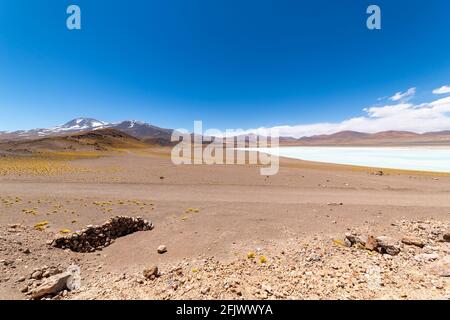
pixel 138 227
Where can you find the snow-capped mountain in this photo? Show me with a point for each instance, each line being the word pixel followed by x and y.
pixel 81 124
pixel 135 128
pixel 73 126
pixel 143 130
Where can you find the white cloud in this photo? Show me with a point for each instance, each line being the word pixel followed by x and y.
pixel 442 90
pixel 403 95
pixel 425 117
pixel 380 112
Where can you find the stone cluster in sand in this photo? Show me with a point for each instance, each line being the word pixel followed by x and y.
pixel 304 268
pixel 311 269
pixel 92 238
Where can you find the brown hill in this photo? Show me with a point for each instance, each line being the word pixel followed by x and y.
pixel 384 138
pixel 342 137
pixel 98 140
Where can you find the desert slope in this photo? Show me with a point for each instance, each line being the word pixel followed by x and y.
pixel 98 140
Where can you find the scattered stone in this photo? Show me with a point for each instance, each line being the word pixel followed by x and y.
pixel 7 263
pixel 429 249
pixel 161 249
pixel 37 275
pixel 366 242
pixel 388 245
pixel 307 267
pixel 93 238
pixel 15 228
pixel 442 267
pixel 205 290
pixel 355 239
pixel 151 272
pixel 412 241
pixel 426 257
pixel 371 243
pixel 51 272
pixel 447 235
pixel 314 258
pixel 267 288
pixel 436 233
pixel 51 285
pixel 346 242
pixel 69 280
pixel 44 272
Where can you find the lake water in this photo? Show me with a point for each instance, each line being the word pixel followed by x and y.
pixel 434 159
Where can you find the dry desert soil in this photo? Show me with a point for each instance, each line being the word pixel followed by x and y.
pixel 229 232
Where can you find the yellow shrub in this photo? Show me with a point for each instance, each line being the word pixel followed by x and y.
pixel 41 225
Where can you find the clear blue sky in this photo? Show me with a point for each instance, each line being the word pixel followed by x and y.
pixel 230 63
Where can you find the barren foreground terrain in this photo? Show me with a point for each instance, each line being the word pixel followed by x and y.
pixel 228 232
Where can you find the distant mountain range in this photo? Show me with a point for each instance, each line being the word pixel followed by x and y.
pixel 384 138
pixel 153 134
pixel 141 130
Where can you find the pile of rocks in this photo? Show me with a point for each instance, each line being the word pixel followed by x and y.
pixel 51 281
pixel 93 238
pixel 37 276
pixel 44 272
pixel 429 234
pixel 313 267
pixel 381 244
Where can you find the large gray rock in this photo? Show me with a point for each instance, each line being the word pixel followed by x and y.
pixel 51 285
pixel 69 280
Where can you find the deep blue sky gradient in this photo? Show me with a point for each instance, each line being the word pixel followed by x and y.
pixel 230 63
